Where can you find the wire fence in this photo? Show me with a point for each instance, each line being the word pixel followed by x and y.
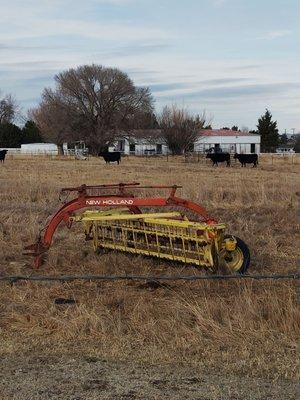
pixel 147 278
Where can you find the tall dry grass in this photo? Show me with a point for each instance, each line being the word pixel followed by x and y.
pixel 242 327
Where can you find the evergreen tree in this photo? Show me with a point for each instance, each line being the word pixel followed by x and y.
pixel 235 128
pixel 268 131
pixel 31 133
pixel 10 135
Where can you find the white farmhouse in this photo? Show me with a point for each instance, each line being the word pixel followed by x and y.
pixel 151 141
pixel 227 140
pixel 141 142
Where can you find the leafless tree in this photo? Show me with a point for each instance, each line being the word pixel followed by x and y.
pixel 91 103
pixel 244 129
pixel 52 120
pixel 8 109
pixel 180 129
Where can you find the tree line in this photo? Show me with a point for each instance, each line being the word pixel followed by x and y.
pixel 12 135
pixel 98 105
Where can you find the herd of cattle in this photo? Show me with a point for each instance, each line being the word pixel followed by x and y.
pixel 225 157
pixel 215 158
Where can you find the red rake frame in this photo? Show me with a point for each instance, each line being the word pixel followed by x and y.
pixel 121 198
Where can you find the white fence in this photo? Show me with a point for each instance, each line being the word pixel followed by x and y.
pixel 290 158
pixel 11 150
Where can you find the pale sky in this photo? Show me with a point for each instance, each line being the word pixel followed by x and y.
pixel 232 58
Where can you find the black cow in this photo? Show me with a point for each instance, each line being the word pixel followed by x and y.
pixel 247 159
pixel 2 155
pixel 219 157
pixel 111 156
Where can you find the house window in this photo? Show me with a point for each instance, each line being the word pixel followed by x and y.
pixel 252 148
pixel 159 148
pixel 132 148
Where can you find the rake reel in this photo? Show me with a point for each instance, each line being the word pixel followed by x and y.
pixel 116 218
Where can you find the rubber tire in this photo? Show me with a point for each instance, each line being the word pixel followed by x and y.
pixel 246 253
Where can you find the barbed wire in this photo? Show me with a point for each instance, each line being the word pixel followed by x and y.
pixel 147 278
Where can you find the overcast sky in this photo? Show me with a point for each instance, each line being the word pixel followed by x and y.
pixel 232 58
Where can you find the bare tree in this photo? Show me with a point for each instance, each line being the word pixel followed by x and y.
pixel 244 129
pixel 52 120
pixel 91 103
pixel 180 129
pixel 8 109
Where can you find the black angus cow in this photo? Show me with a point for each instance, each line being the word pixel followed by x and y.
pixel 2 155
pixel 219 157
pixel 247 159
pixel 110 156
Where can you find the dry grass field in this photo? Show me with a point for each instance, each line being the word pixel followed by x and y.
pixel 126 340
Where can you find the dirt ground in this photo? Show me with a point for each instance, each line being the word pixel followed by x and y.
pixel 205 340
pixel 90 378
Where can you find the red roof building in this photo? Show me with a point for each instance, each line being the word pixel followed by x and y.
pixel 224 132
pixel 227 140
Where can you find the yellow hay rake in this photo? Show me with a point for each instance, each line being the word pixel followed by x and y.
pixel 121 225
pixel 168 236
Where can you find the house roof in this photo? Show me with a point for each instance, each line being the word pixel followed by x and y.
pixel 156 134
pixel 223 132
pixel 145 134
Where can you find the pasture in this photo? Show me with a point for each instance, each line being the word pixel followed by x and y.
pixel 187 340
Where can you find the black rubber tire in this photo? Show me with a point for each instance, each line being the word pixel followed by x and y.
pixel 246 253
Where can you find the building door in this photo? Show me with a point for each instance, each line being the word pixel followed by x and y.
pixel 132 148
pixel 121 145
pixel 217 148
pixel 159 148
pixel 252 147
